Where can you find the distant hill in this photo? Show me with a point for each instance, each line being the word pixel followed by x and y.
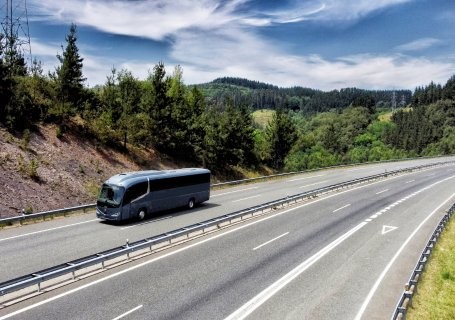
pixel 259 95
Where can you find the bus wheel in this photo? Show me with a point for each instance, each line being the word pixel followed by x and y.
pixel 141 215
pixel 191 203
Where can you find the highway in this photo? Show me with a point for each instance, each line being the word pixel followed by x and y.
pixel 38 246
pixel 346 255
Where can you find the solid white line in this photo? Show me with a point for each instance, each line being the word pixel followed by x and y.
pixel 313 184
pixel 47 230
pixel 385 190
pixel 222 194
pixel 267 293
pixel 266 243
pixel 127 313
pixel 410 181
pixel 341 208
pixel 297 179
pixel 180 250
pixel 384 272
pixel 246 198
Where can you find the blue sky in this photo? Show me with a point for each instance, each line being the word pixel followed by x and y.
pixel 325 44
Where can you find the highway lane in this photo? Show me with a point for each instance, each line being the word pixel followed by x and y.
pixel 26 249
pixel 215 277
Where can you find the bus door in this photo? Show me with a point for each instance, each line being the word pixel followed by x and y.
pixel 135 199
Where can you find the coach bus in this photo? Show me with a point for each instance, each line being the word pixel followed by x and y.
pixel 134 195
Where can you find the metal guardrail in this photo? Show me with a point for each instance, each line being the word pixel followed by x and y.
pixel 185 233
pixel 279 175
pixel 411 286
pixel 45 214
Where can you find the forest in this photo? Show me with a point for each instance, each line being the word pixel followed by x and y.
pixel 213 125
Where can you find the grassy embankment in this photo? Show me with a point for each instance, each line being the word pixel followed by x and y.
pixel 435 298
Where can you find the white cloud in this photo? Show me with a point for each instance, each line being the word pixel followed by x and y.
pixel 419 44
pixel 361 71
pixel 210 39
pixel 148 18
pixel 158 19
pixel 331 10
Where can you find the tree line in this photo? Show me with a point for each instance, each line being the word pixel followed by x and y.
pixel 260 95
pixel 159 112
pixel 212 124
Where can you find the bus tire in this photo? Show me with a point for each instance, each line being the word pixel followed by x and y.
pixel 141 214
pixel 191 203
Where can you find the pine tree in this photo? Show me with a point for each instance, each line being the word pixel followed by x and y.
pixel 5 85
pixel 160 111
pixel 281 135
pixel 69 77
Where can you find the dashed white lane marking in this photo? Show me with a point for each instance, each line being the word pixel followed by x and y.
pixel 297 179
pixel 128 312
pixel 143 223
pixel 385 190
pixel 313 184
pixel 341 208
pixel 222 194
pixel 267 293
pixel 270 241
pixel 247 198
pixel 377 214
pixel 409 181
pixel 47 230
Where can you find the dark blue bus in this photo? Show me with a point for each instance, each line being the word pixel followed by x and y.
pixel 134 195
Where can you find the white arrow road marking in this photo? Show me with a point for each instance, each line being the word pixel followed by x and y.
pixel 386 229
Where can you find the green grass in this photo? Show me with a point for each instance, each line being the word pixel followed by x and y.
pixel 385 117
pixel 262 117
pixel 435 298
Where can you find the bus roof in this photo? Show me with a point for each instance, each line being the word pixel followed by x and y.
pixel 127 178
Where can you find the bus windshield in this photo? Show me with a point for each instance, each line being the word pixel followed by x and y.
pixel 110 196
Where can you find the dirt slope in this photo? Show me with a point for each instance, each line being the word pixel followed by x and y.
pixel 40 172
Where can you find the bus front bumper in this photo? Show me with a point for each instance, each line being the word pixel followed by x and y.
pixel 115 216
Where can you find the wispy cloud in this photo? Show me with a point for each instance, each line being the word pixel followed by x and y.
pixel 150 19
pixel 157 19
pixel 262 61
pixel 334 11
pixel 213 38
pixel 419 44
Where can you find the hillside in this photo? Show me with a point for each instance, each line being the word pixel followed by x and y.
pixel 40 172
pixel 259 95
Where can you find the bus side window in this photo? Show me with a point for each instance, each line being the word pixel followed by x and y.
pixel 135 192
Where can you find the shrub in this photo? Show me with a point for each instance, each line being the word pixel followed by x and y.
pixel 33 169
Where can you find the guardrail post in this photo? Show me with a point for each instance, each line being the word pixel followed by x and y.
pixel 126 246
pixel 408 295
pixel 402 312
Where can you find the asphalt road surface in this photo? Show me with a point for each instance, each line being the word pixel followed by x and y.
pixel 343 256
